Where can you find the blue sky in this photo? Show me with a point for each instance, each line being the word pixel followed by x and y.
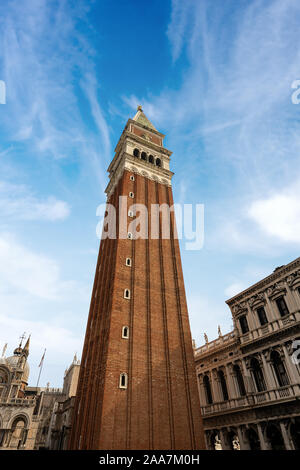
pixel 215 77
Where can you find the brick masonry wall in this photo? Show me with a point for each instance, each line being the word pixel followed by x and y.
pixel 160 407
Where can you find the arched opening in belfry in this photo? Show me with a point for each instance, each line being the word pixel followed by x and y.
pixel 136 152
pixel 274 437
pixel 279 369
pixel 144 156
pixel 158 162
pixel 258 375
pixel 253 439
pixel 151 159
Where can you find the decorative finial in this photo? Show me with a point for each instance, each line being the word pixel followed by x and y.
pixel 139 108
pixel 206 338
pixel 219 331
pixel 4 349
pixel 21 339
pixel 194 344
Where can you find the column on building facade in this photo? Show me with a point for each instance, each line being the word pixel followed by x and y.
pixel 269 375
pixel 244 443
pixel 249 385
pixel 291 368
pixel 264 444
pixel 215 386
pixel 287 442
pixel 271 311
pixel 203 399
pixel 224 439
pixel 290 298
pixel 230 381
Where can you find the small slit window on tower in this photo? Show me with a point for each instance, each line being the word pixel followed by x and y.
pixel 131 194
pixel 131 177
pixel 126 294
pixel 125 332
pixel 130 214
pixel 128 261
pixel 129 236
pixel 123 380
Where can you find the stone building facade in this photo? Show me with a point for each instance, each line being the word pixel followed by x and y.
pixel 18 418
pixel 34 418
pixel 61 418
pixel 249 379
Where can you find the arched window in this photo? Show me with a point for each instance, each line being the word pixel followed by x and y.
pixel 136 153
pixel 275 438
pixel 18 433
pixel 253 439
pixel 295 433
pixel 3 376
pixel 127 294
pixel 125 332
pixel 158 162
pixel 239 380
pixel 234 441
pixel 215 441
pixel 258 375
pixel 279 369
pixel 151 159
pixel 123 380
pixel 223 385
pixel 143 156
pixel 207 388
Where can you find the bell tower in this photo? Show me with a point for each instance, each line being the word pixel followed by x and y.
pixel 137 385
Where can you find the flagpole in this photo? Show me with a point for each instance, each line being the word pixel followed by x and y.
pixel 41 368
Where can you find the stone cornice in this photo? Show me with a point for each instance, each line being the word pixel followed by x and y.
pixel 216 352
pixel 148 129
pixel 145 169
pixel 264 285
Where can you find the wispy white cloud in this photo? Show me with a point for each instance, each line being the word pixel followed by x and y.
pixel 32 273
pixel 45 54
pixel 234 289
pixel 278 216
pixel 232 114
pixel 17 201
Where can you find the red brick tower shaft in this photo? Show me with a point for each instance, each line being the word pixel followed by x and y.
pixel 137 385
